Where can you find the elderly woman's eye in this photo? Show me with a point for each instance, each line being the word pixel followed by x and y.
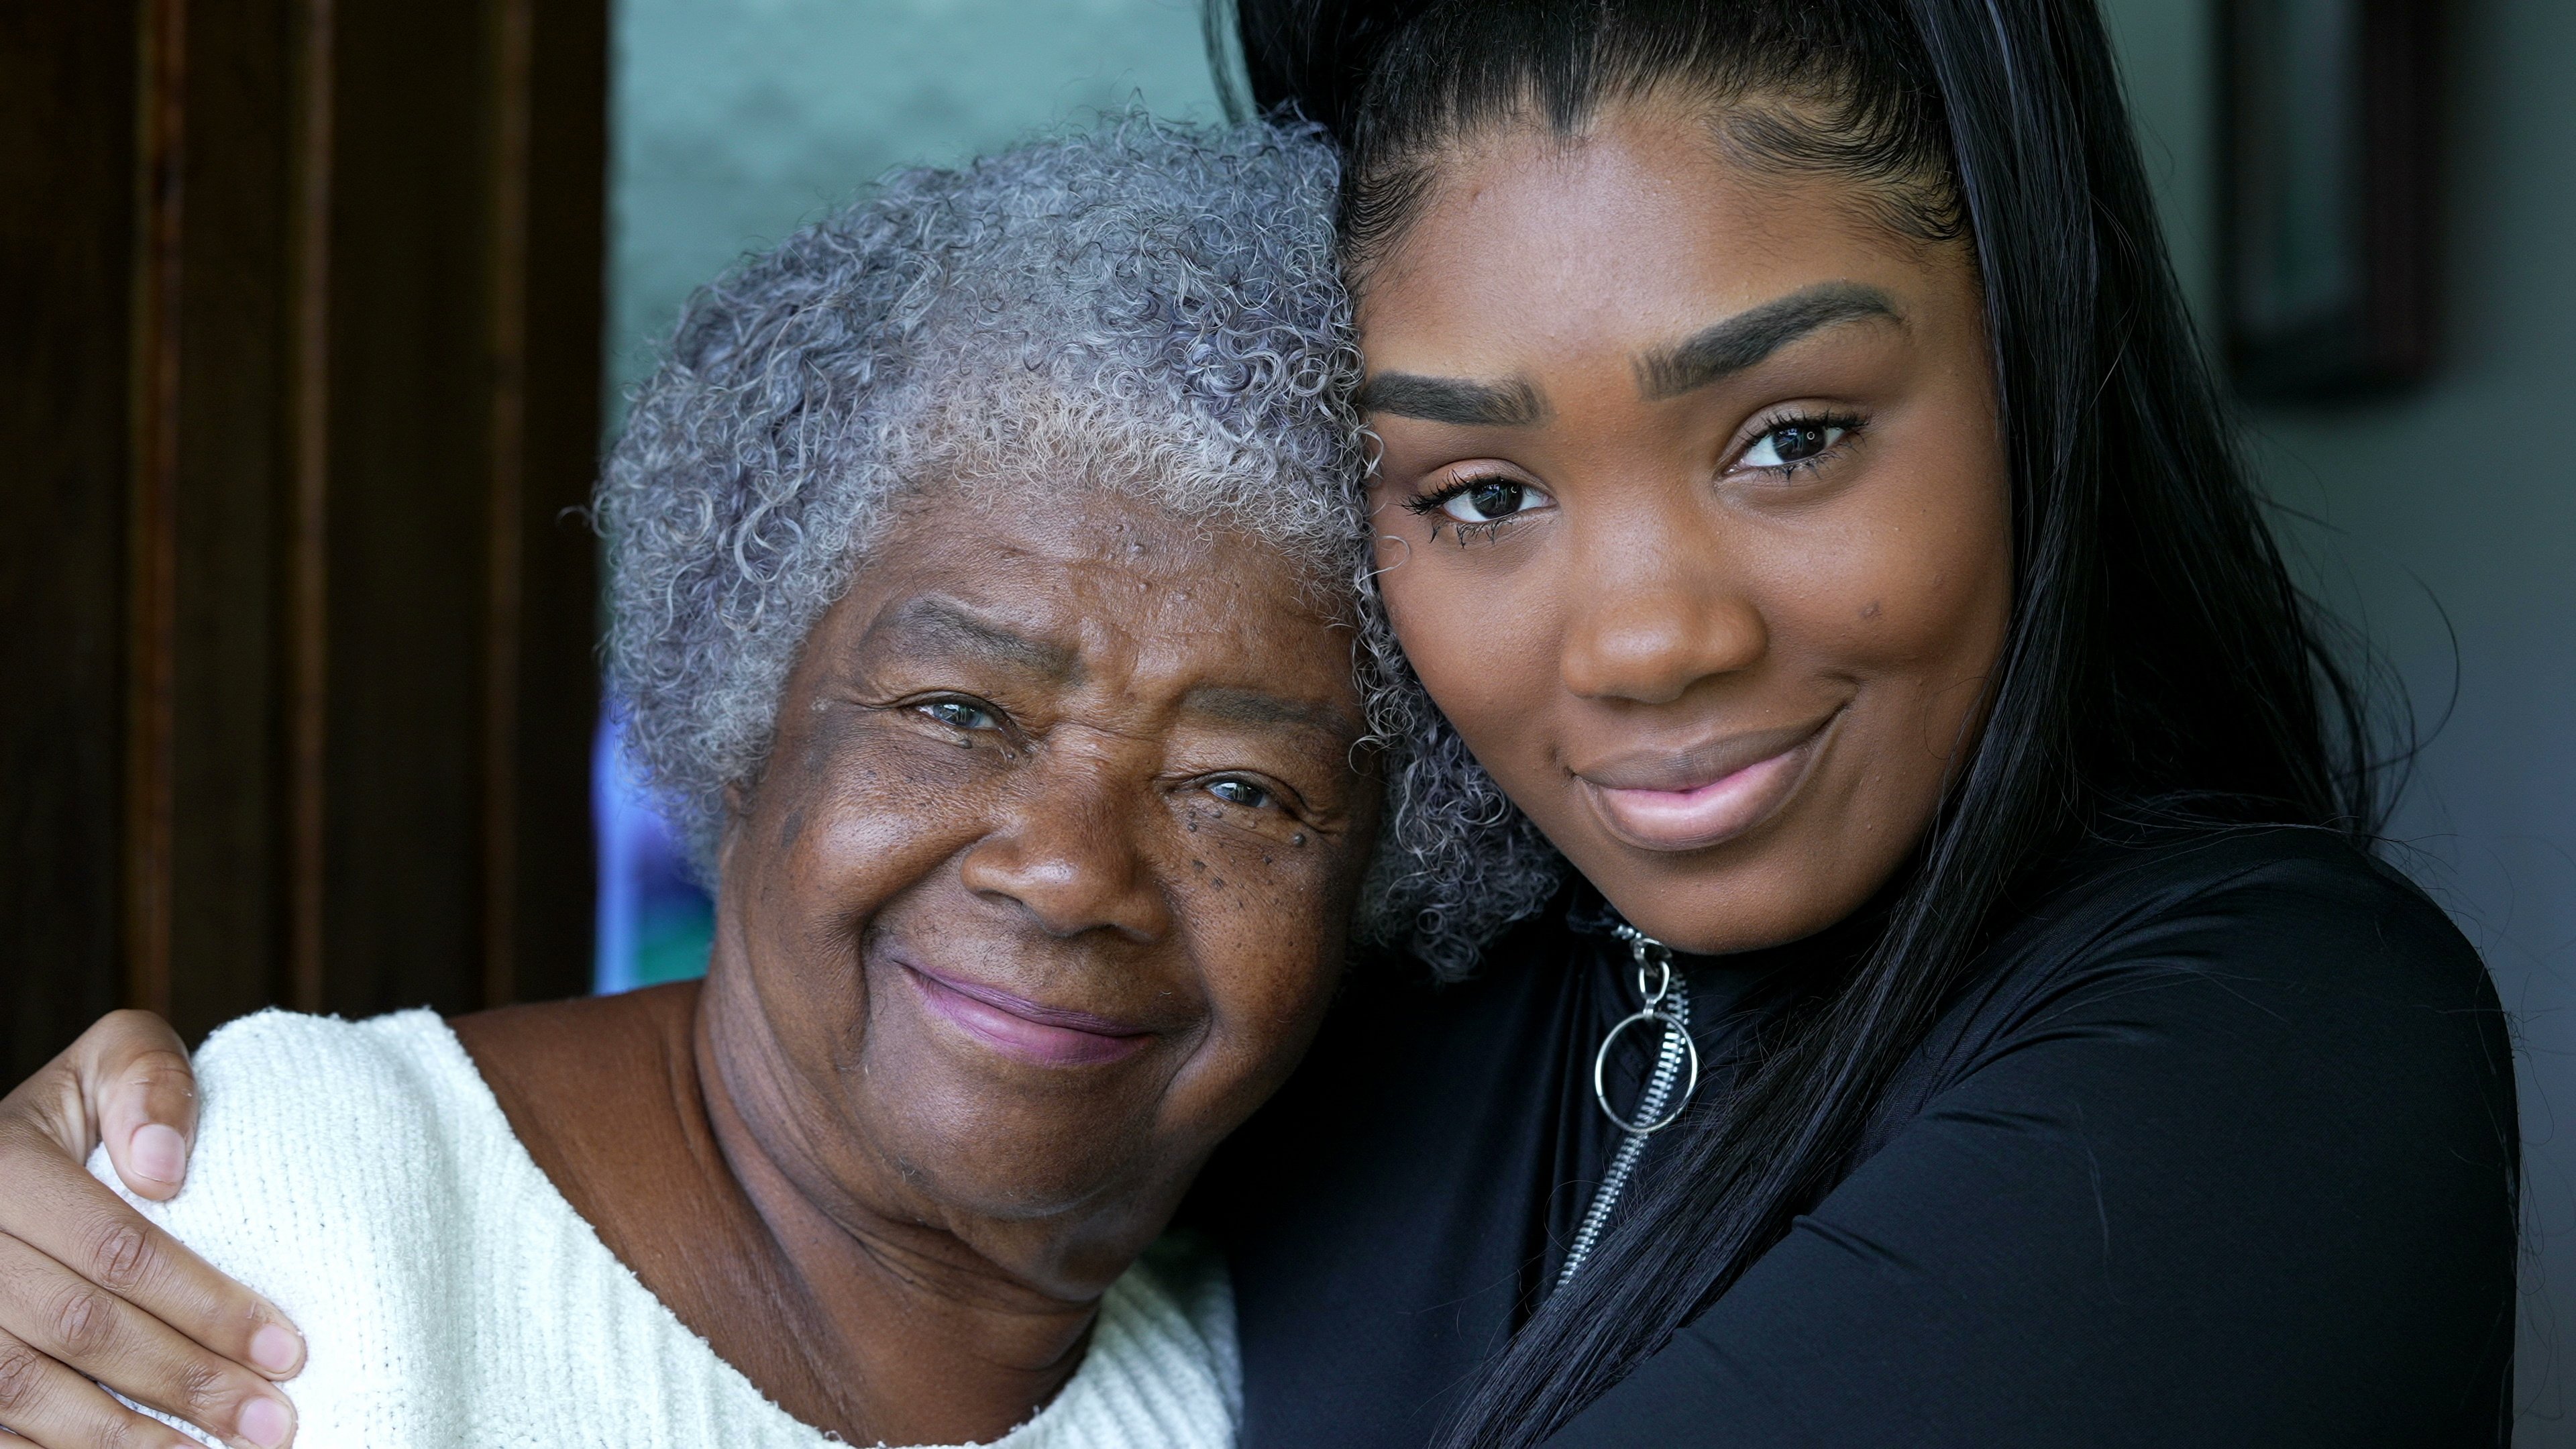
pixel 1240 792
pixel 961 714
pixel 1799 440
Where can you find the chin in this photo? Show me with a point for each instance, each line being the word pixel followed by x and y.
pixel 1714 908
pixel 1023 1170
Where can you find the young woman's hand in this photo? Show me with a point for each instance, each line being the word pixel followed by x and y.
pixel 89 1290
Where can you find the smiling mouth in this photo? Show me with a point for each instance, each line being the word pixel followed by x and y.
pixel 1671 804
pixel 1018 1027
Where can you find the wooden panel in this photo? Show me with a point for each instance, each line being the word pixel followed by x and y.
pixel 151 602
pixel 66 243
pixel 231 353
pixel 558 671
pixel 409 413
pixel 299 351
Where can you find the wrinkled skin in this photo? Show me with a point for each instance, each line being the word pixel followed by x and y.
pixel 1043 891
pixel 1721 617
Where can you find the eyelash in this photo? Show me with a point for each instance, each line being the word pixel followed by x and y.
pixel 1431 505
pixel 1851 425
pixel 1000 727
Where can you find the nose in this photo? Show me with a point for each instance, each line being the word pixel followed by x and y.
pixel 1071 854
pixel 1652 622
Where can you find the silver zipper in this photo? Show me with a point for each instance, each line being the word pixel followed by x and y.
pixel 1667 1001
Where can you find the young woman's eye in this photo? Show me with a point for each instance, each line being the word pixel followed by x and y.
pixel 1234 790
pixel 962 714
pixel 1800 440
pixel 1484 500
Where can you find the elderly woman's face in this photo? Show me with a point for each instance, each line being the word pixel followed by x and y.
pixel 1044 888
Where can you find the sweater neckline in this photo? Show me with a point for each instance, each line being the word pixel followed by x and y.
pixel 480 1111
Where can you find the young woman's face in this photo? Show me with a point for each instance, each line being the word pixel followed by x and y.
pixel 1692 514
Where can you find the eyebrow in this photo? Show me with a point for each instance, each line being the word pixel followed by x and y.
pixel 1257 707
pixel 948 625
pixel 1453 400
pixel 1754 334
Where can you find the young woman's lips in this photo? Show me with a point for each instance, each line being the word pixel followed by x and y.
pixel 1727 801
pixel 1018 1027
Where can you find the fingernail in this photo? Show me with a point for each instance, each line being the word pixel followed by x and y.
pixel 274 1349
pixel 157 1152
pixel 266 1423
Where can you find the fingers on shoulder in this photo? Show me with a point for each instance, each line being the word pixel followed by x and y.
pixel 50 1405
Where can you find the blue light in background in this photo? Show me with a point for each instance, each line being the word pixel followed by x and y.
pixel 655 923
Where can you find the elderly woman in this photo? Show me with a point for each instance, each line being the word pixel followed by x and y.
pixel 981 564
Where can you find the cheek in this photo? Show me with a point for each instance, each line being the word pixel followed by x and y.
pixel 1483 640
pixel 852 812
pixel 1911 602
pixel 1270 919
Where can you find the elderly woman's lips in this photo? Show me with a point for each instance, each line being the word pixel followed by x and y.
pixel 1022 1028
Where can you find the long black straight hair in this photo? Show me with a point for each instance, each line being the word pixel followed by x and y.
pixel 2160 660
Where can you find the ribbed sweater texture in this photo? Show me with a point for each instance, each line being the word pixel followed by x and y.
pixel 363 1177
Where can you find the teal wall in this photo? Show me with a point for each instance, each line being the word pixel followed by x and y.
pixel 2452 511
pixel 734 120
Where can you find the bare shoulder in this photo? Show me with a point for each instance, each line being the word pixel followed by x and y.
pixel 585 1033
pixel 603 1093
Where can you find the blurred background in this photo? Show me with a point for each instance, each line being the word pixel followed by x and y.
pixel 314 313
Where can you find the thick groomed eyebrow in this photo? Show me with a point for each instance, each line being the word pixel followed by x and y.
pixel 1512 404
pixel 945 624
pixel 1754 334
pixel 1260 708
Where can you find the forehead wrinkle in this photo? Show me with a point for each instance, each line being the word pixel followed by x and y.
pixel 1755 333
pixel 946 626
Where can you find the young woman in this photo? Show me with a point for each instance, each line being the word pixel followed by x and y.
pixel 1801 495
pixel 1865 733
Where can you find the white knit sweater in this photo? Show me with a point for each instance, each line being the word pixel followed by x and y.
pixel 362 1176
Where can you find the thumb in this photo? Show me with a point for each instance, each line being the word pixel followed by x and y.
pixel 135 1082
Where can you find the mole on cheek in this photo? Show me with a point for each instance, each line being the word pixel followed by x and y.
pixel 1869 610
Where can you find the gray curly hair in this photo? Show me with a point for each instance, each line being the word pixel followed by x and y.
pixel 1144 307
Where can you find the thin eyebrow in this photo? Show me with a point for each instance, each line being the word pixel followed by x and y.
pixel 1258 707
pixel 946 624
pixel 1511 404
pixel 1754 334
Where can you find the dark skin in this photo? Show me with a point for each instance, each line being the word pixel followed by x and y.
pixel 1730 640
pixel 1042 892
pixel 1693 513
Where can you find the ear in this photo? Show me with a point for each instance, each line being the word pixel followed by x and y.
pixel 737 813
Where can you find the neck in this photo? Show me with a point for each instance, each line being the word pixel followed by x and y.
pixel 931 1339
pixel 854 1310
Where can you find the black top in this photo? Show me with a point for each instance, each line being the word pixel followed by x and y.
pixel 2218 1149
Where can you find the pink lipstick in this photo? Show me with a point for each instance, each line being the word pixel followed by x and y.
pixel 1018 1027
pixel 1696 798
